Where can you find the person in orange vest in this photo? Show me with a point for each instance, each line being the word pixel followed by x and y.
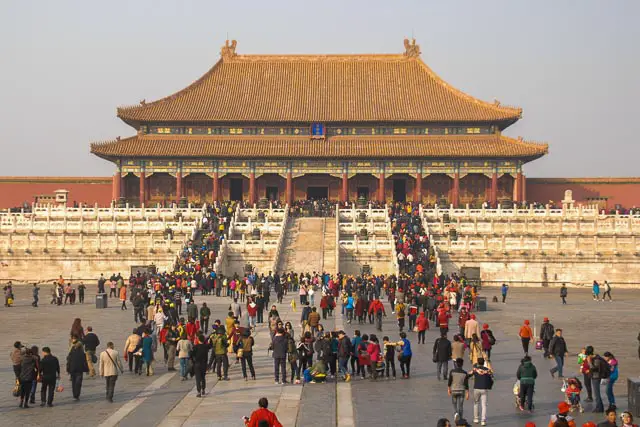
pixel 525 335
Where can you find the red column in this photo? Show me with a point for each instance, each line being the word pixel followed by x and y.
pixel 494 189
pixel 252 187
pixel 178 186
pixel 381 197
pixel 117 179
pixel 524 188
pixel 517 188
pixel 456 190
pixel 418 190
pixel 345 188
pixel 216 189
pixel 142 189
pixel 289 193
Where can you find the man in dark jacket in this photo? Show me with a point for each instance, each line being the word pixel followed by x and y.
pixel 546 334
pixel 50 373
pixel 442 355
pixel 76 367
pixel 279 354
pixel 527 374
pixel 482 383
pixel 558 348
pixel 596 366
pixel 91 342
pixel 458 387
pixel 344 351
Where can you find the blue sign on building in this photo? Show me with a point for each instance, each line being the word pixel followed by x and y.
pixel 317 130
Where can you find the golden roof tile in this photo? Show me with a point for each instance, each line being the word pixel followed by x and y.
pixel 319 88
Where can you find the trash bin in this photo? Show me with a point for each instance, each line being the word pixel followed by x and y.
pixel 633 395
pixel 482 303
pixel 101 301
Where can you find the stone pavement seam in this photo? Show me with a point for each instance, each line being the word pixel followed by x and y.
pixel 344 402
pixel 116 417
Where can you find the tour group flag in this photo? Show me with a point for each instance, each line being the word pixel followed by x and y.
pixel 293 304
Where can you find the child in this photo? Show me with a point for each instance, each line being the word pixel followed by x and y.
pixel 574 387
pixel 389 356
pixel 582 356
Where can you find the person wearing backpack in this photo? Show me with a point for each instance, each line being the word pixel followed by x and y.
pixel 488 341
pixel 482 383
pixel 292 354
pixel 599 369
pixel 246 358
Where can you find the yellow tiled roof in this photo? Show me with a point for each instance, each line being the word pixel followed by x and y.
pixel 320 88
pixel 352 147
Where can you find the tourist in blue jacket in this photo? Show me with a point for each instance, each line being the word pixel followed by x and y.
pixel 405 355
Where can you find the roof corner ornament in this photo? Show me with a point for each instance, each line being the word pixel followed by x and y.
pixel 117 138
pixel 520 139
pixel 411 49
pixel 143 102
pixel 496 102
pixel 228 51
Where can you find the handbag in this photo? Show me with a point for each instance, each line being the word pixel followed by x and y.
pixel 16 389
pixel 539 345
pixel 94 358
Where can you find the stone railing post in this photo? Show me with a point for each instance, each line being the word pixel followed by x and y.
pixel 475 225
pixel 595 244
pixel 130 225
pixel 243 245
pixel 558 244
pixel 539 243
pixel 504 243
pixel 485 242
pixel 99 242
pixel 577 243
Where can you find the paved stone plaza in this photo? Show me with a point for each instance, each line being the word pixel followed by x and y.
pixel 164 400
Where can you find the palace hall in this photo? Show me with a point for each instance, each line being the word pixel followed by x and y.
pixel 343 127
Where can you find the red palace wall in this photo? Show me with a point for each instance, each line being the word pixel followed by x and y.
pixel 617 191
pixel 14 191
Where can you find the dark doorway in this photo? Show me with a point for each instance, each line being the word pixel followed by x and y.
pixel 363 193
pixel 399 190
pixel 272 193
pixel 235 189
pixel 317 193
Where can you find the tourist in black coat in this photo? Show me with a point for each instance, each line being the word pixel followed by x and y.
pixel 76 367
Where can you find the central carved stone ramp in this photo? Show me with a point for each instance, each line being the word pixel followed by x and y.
pixel 309 246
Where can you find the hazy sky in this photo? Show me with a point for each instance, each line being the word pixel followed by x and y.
pixel 573 66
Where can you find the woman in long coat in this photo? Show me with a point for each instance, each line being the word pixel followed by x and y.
pixel 147 352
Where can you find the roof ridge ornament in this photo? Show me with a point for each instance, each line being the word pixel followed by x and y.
pixel 411 49
pixel 228 51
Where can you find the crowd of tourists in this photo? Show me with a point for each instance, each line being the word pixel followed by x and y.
pixel 303 351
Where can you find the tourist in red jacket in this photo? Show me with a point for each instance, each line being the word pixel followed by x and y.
pixel 423 324
pixel 443 321
pixel 262 414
